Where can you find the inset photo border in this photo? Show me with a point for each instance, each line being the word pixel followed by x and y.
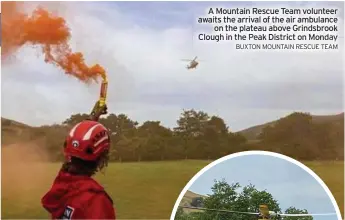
pixel 234 183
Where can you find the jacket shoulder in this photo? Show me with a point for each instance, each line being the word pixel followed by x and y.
pixel 100 195
pixel 99 190
pixel 100 206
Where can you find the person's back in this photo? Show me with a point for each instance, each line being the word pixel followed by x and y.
pixel 74 194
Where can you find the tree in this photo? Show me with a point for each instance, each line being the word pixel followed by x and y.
pixel 229 197
pixel 293 210
pixel 122 150
pixel 122 132
pixel 236 143
pixel 54 138
pixel 214 138
pixel 154 138
pixel 226 196
pixel 75 119
pixel 295 135
pixel 191 125
pixel 180 215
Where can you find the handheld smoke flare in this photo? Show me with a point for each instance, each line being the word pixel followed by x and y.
pixel 100 107
pixel 103 93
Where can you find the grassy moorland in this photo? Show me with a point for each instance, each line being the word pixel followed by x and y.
pixel 145 190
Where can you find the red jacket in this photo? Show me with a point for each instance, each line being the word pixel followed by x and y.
pixel 77 197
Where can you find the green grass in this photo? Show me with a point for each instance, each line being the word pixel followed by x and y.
pixel 140 190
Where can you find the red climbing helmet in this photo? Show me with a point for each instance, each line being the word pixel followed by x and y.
pixel 87 141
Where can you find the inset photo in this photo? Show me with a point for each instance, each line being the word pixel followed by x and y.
pixel 256 185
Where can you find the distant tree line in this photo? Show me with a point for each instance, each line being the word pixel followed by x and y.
pixel 201 136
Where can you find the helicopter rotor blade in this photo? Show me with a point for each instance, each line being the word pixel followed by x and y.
pixel 186 60
pixel 219 210
pixel 301 215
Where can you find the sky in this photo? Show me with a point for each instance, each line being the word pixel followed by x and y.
pixel 287 182
pixel 141 45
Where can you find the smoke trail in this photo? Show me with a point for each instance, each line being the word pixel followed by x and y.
pixel 48 31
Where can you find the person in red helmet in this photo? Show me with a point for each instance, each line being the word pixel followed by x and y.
pixel 74 194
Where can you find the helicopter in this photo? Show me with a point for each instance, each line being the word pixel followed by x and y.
pixel 263 214
pixel 193 63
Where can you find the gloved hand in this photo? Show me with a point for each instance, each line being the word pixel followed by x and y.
pixel 98 110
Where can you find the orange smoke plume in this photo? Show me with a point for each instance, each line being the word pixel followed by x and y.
pixel 50 32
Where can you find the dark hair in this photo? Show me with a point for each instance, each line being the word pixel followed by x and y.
pixel 78 166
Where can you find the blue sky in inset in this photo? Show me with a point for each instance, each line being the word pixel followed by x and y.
pixel 287 182
pixel 141 45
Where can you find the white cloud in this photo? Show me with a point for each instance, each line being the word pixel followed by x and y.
pixel 148 81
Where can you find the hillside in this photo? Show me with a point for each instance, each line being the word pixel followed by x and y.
pixel 253 132
pixel 328 118
pixel 14 132
pixel 189 196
